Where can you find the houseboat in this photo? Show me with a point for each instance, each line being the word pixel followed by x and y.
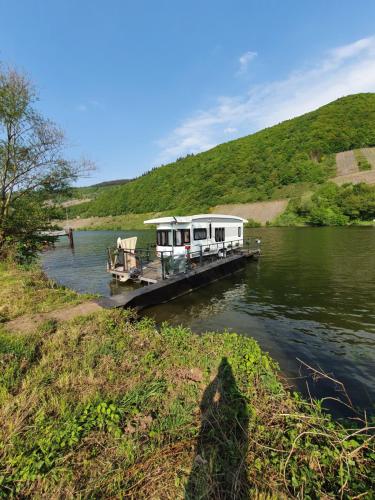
pixel 190 252
pixel 182 243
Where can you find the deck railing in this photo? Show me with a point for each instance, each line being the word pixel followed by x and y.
pixel 172 263
pixel 120 258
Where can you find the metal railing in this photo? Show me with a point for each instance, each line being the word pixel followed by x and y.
pixel 172 263
pixel 120 258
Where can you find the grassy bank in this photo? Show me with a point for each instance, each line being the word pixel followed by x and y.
pixel 29 291
pixel 110 406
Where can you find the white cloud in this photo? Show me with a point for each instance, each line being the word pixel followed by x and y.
pixel 230 130
pixel 89 105
pixel 341 71
pixel 245 60
pixel 352 49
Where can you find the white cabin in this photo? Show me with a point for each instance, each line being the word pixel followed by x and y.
pixel 205 234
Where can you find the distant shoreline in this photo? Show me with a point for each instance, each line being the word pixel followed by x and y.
pixel 134 222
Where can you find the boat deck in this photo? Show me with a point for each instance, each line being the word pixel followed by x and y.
pixel 177 285
pixel 152 272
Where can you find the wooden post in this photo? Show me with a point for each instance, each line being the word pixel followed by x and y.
pixel 70 237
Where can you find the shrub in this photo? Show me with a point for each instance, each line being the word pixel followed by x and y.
pixel 252 223
pixel 332 205
pixel 363 164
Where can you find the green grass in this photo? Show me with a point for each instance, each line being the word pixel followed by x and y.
pixel 274 162
pixel 363 164
pixel 109 406
pixel 293 190
pixel 26 290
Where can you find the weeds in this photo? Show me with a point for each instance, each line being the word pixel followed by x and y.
pixel 26 290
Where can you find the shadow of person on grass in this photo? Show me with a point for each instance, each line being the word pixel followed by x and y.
pixel 219 469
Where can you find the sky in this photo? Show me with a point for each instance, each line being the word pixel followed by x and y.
pixel 136 84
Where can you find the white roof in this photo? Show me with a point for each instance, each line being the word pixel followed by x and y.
pixel 191 218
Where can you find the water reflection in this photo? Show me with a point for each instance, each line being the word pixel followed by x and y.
pixel 310 296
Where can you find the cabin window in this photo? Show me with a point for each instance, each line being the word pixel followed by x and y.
pixel 200 233
pixel 185 234
pixel 181 237
pixel 219 234
pixel 239 231
pixel 163 238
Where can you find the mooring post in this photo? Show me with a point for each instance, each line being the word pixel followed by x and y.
pixel 70 236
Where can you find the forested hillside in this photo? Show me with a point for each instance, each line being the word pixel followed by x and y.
pixel 255 167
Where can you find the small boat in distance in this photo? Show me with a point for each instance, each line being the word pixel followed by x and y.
pixel 182 244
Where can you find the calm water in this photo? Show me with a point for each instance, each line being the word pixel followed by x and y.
pixel 311 296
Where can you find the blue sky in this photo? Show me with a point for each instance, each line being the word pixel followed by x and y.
pixel 136 84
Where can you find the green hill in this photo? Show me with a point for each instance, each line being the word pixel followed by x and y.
pixel 116 182
pixel 260 166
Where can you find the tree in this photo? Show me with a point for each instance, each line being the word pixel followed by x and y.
pixel 32 164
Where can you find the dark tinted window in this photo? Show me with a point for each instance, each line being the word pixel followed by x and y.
pixel 239 231
pixel 181 237
pixel 219 234
pixel 200 234
pixel 163 238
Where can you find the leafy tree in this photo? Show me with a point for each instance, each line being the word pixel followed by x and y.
pixel 326 216
pixel 32 165
pixel 333 205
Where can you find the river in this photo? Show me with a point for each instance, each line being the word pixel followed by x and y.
pixel 310 297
